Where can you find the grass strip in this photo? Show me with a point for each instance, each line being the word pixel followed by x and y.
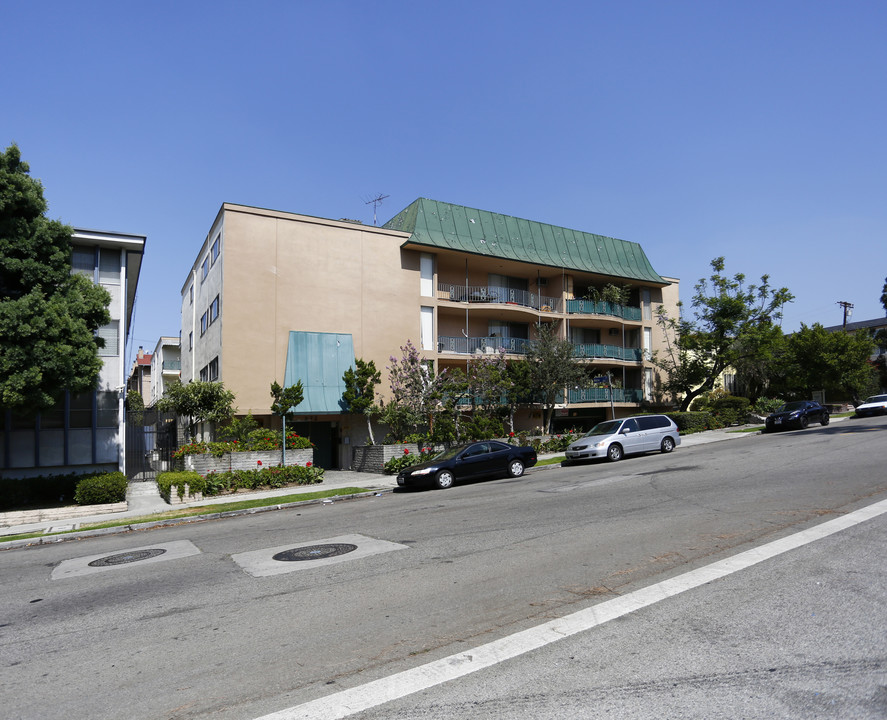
pixel 552 461
pixel 197 510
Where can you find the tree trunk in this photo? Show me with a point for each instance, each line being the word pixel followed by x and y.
pixel 370 429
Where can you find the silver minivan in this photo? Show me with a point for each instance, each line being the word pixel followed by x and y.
pixel 614 439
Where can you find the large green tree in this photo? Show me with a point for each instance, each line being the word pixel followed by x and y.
pixel 48 317
pixel 732 324
pixel 837 362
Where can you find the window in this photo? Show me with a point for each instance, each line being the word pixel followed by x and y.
pixel 648 343
pixel 205 268
pixel 730 382
pixel 426 275
pixel 80 413
pixel 203 322
pixel 204 373
pixel 190 340
pixel 646 307
pixel 83 262
pixel 214 310
pixel 427 328
pixel 109 334
pixel 191 295
pixel 216 248
pixel 106 409
pixel 648 383
pixel 213 369
pixel 109 266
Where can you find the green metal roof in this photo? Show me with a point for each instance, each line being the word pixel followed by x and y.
pixel 454 227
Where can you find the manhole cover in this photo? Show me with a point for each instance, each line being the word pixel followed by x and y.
pixel 127 557
pixel 315 552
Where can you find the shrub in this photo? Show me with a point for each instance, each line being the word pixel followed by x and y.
pixel 196 483
pixel 691 422
pixel 765 405
pixel 730 410
pixel 270 477
pixel 42 491
pixel 101 489
pixel 396 464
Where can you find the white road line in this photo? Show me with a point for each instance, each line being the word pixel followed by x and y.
pixel 360 698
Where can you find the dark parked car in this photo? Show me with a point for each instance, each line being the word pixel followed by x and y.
pixel 480 459
pixel 798 414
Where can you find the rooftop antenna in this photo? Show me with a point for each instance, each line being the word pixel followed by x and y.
pixel 375 202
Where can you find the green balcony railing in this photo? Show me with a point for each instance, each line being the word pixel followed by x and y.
pixel 609 352
pixel 590 307
pixel 598 394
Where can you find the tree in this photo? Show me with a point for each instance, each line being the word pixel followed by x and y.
pixel 884 296
pixel 519 390
pixel 285 402
pixel 135 407
pixel 360 391
pixel 199 402
pixel 553 368
pixel 731 324
pixel 836 362
pixel 48 316
pixel 415 391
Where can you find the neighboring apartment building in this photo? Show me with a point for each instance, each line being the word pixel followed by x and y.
pixel 873 327
pixel 85 432
pixel 166 367
pixel 276 296
pixel 139 380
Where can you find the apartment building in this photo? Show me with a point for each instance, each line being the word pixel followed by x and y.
pixel 84 432
pixel 139 380
pixel 277 296
pixel 166 367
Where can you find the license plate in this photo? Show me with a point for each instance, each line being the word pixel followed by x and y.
pixel 777 421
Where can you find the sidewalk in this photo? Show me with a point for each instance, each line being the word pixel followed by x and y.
pixel 143 498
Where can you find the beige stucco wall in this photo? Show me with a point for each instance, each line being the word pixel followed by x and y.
pixel 284 272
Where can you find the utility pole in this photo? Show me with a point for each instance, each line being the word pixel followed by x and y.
pixel 848 310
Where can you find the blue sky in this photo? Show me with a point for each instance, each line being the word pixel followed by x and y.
pixel 753 130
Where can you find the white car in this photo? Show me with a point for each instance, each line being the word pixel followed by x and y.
pixel 874 405
pixel 614 439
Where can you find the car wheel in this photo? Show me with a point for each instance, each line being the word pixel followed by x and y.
pixel 444 479
pixel 515 468
pixel 824 420
pixel 804 422
pixel 614 452
pixel 667 445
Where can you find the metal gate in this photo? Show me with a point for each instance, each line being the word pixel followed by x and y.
pixel 150 444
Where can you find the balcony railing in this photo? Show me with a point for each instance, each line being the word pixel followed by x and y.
pixel 171 365
pixel 599 395
pixel 590 307
pixel 498 295
pixel 609 352
pixel 482 345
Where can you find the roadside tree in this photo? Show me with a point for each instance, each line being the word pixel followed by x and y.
pixel 48 316
pixel 732 324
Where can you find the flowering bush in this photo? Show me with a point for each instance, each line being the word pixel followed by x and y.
pixel 395 465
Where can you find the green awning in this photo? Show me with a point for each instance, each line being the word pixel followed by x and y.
pixel 319 360
pixel 454 227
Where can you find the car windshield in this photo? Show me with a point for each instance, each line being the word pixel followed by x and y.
pixel 604 428
pixel 449 453
pixel 876 399
pixel 789 407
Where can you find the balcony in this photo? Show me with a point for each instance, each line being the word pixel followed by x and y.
pixel 482 345
pixel 590 307
pixel 171 366
pixel 498 295
pixel 602 395
pixel 607 352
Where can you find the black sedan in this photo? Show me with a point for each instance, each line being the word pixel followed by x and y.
pixel 477 460
pixel 798 414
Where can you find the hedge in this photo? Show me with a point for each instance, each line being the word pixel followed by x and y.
pixel 101 489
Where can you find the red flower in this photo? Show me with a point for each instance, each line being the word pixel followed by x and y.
pixel 511 434
pixel 258 462
pixel 308 464
pixel 406 451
